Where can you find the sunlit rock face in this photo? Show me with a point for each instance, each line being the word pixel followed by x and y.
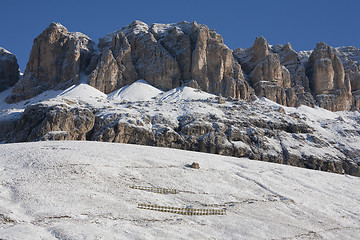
pixel 56 60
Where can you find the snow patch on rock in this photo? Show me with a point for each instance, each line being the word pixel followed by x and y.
pixel 138 91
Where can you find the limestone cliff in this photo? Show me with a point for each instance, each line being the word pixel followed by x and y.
pixel 172 55
pixel 267 76
pixel 57 59
pixel 327 79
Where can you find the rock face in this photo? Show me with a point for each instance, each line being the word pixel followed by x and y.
pixel 54 122
pixel 114 68
pixel 167 56
pixel 327 79
pixel 295 63
pixel 240 129
pixel 310 77
pixel 267 76
pixel 9 69
pixel 57 59
pixel 172 55
pixel 350 58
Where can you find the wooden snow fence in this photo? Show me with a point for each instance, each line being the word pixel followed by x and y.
pixel 156 190
pixel 183 211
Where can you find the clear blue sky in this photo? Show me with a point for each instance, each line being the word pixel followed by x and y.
pixel 303 23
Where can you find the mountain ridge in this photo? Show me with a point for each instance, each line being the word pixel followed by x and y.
pixel 170 55
pixel 179 86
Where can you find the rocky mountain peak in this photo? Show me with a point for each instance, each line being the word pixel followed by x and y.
pixel 326 72
pixel 260 48
pixel 327 79
pixel 57 27
pixel 56 60
pixel 160 29
pixel 287 47
pixel 9 69
pixel 171 55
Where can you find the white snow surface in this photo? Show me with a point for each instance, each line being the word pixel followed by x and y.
pixel 138 91
pixel 3 50
pixel 160 29
pixel 142 91
pixel 5 55
pixel 81 190
pixel 82 93
pixel 185 93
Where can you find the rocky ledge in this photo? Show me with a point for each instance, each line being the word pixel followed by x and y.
pixel 260 130
pixel 298 132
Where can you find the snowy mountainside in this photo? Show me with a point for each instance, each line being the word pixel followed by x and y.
pixel 186 118
pixel 138 91
pixel 82 190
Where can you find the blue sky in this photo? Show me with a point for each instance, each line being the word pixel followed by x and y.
pixel 302 23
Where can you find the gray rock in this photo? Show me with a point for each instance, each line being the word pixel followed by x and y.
pixel 49 122
pixel 9 69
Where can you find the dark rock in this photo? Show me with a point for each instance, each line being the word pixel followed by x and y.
pixel 9 69
pixel 41 122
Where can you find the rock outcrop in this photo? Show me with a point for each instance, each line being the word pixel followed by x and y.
pixel 310 77
pixel 240 129
pixel 327 79
pixel 167 56
pixel 203 58
pixel 53 122
pixel 350 58
pixel 9 69
pixel 114 68
pixel 267 76
pixel 57 59
pixel 172 55
pixel 295 63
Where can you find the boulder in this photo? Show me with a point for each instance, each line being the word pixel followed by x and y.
pixel 9 69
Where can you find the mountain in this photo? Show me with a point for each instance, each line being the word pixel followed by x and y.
pixel 93 190
pixel 172 55
pixel 178 85
pixel 190 119
pixel 9 69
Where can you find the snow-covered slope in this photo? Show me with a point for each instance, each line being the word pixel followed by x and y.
pixel 185 93
pixel 138 91
pixel 82 92
pixel 82 190
pixel 142 91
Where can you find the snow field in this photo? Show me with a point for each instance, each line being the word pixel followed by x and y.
pixel 82 190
